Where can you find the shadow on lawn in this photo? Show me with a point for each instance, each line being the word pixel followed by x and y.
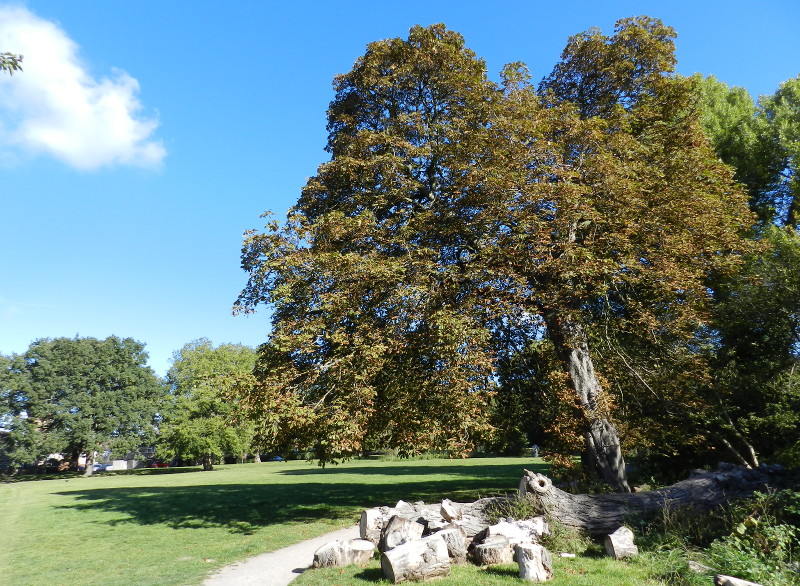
pixel 504 471
pixel 244 508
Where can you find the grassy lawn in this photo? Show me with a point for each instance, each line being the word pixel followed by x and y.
pixel 582 571
pixel 176 526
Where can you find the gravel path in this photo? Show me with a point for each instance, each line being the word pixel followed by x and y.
pixel 279 567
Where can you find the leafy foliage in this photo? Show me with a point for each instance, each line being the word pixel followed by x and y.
pixel 757 313
pixel 203 421
pixel 457 220
pixel 79 395
pixel 10 62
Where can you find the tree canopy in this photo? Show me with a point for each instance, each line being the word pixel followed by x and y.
pixel 456 216
pixel 757 311
pixel 202 421
pixel 760 140
pixel 77 396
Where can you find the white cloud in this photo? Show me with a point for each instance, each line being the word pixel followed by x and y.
pixel 56 107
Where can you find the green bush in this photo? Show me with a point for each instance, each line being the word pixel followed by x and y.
pixel 764 540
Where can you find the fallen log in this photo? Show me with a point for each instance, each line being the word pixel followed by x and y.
pixel 416 560
pixel 496 550
pixel 456 540
pixel 601 514
pixel 399 531
pixel 343 553
pixel 620 544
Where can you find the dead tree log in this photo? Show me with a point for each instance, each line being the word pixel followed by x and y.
pixel 535 563
pixel 399 531
pixel 620 544
pixel 416 560
pixel 456 540
pixel 601 514
pixel 471 517
pixel 343 553
pixel 496 550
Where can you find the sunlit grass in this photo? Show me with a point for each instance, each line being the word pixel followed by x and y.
pixel 175 528
pixel 585 570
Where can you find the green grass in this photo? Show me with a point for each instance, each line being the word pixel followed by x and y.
pixel 175 528
pixel 591 569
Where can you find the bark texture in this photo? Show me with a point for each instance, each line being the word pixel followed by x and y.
pixel 416 560
pixel 601 438
pixel 602 514
pixel 535 563
pixel 343 553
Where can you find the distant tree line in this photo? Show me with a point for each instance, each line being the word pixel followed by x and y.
pixel 75 398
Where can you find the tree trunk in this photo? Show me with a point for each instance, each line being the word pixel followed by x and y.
pixel 257 458
pixel 601 439
pixel 602 514
pixel 89 463
pixel 535 563
pixel 208 462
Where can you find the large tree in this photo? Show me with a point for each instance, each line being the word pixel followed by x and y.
pixel 455 215
pixel 79 396
pixel 202 421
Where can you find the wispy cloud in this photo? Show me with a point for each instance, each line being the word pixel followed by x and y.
pixel 56 107
pixel 10 308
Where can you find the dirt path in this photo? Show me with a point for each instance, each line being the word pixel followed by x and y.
pixel 279 567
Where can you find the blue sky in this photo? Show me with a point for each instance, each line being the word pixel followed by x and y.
pixel 144 137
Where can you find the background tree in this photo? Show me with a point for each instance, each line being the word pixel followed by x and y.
pixel 757 314
pixel 79 396
pixel 455 215
pixel 202 421
pixel 782 111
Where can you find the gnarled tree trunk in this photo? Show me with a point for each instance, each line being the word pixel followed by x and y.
pixel 601 439
pixel 602 514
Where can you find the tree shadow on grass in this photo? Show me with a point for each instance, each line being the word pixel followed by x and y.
pixel 505 471
pixel 370 575
pixel 244 508
pixel 503 571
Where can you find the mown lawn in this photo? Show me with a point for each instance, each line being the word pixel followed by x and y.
pixel 176 526
pixel 592 570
